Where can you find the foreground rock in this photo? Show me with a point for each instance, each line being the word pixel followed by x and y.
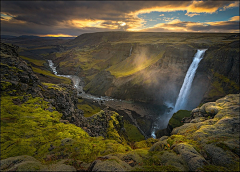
pixel 28 163
pixel 214 131
pixel 17 78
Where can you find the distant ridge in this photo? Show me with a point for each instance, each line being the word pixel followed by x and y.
pixel 32 37
pixel 7 36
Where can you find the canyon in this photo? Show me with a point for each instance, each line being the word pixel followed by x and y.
pixel 143 70
pixel 90 103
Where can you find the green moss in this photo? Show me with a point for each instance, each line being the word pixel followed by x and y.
pixel 48 73
pixel 217 89
pixel 157 168
pixel 34 61
pixel 219 81
pixel 80 100
pixel 177 117
pixel 5 85
pixel 111 131
pixel 89 110
pixel 226 80
pixel 11 68
pixel 132 132
pixel 213 168
pixel 175 139
pixel 54 86
pixel 29 129
pixel 130 65
pixel 145 143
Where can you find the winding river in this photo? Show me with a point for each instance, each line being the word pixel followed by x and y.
pixel 76 82
pixel 132 111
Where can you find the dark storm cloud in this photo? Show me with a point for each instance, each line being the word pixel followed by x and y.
pixel 52 12
pixel 49 17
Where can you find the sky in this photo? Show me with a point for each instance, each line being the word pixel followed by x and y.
pixel 73 18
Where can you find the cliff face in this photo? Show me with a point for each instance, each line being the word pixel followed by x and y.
pixel 150 67
pixel 221 66
pixel 18 79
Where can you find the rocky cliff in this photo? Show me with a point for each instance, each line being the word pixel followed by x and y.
pixel 18 79
pixel 150 67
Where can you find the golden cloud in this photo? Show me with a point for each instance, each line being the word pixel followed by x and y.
pixel 235 18
pixel 87 23
pixel 192 8
pixel 191 14
pixel 201 7
pixel 234 4
pixel 181 26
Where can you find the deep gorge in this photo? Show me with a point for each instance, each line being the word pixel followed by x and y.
pixel 128 80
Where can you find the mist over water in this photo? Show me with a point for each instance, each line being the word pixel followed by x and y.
pixel 163 119
pixel 182 96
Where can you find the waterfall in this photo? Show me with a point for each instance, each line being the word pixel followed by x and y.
pixel 187 83
pixel 130 52
pixel 183 94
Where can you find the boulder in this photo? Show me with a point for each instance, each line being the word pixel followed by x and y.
pixel 220 157
pixel 164 132
pixel 21 163
pixel 109 163
pixel 193 159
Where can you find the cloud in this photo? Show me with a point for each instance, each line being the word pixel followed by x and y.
pixel 189 6
pixel 191 14
pixel 235 18
pixel 186 26
pixel 231 5
pixel 77 17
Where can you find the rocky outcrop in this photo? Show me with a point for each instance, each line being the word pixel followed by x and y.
pixel 109 163
pixel 16 75
pixel 28 163
pixel 215 128
pixel 164 132
pixel 17 78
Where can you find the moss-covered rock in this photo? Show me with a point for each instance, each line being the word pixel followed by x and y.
pixel 160 146
pixel 145 143
pixel 109 163
pixel 21 163
pixel 222 158
pixel 193 159
pixel 177 117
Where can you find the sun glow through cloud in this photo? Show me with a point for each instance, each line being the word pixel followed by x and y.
pixel 57 35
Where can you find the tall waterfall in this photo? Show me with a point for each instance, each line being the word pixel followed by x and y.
pixel 187 83
pixel 183 94
pixel 130 52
